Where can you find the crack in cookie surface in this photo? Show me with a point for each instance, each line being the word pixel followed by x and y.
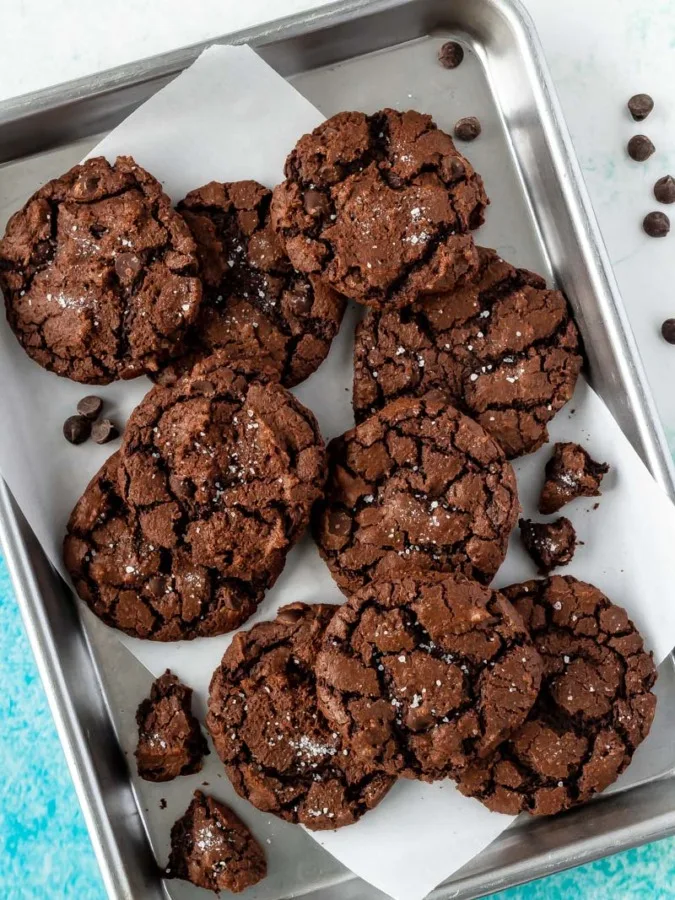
pixel 100 274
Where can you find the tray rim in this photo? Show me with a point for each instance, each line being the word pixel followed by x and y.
pixel 655 451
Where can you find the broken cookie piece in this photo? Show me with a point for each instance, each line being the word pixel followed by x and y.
pixel 570 473
pixel 170 741
pixel 550 544
pixel 213 849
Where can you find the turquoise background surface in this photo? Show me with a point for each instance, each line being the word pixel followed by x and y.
pixel 45 853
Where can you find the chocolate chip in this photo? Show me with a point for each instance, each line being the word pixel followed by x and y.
pixel 640 147
pixel 202 387
pixel 157 586
pixel 300 300
pixel 656 224
pixel 640 105
pixel 668 331
pixel 450 55
pixel 664 189
pixel 467 129
pixel 315 202
pixel 76 429
pixel 90 407
pixel 127 267
pixel 104 431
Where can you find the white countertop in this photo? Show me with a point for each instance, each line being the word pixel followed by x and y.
pixel 600 53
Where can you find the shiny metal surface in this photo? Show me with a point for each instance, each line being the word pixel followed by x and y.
pixel 354 54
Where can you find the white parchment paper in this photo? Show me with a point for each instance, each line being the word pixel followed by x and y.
pixel 230 117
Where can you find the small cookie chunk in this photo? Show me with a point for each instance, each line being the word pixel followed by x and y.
pixel 416 486
pixel 379 207
pixel 502 346
pixel 170 741
pixel 550 544
pixel 594 708
pixel 99 273
pixel 130 583
pixel 256 306
pixel 212 848
pixel 426 674
pixel 279 752
pixel 570 473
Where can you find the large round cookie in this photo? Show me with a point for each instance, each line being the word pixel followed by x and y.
pixel 379 207
pixel 99 273
pixel 225 468
pixel 418 486
pixel 595 706
pixel 423 675
pixel 255 304
pixel 503 346
pixel 132 584
pixel 279 752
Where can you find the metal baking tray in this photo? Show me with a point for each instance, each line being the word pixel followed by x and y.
pixel 362 55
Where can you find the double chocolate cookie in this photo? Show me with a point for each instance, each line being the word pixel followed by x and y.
pixel 256 306
pixel 595 705
pixel 99 273
pixel 279 752
pixel 502 346
pixel 212 848
pixel 180 534
pixel 424 675
pixel 417 486
pixel 379 207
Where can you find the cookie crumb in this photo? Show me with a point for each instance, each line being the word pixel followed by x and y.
pixel 550 544
pixel 570 473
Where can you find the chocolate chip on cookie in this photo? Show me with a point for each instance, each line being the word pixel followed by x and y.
pixel 100 274
pixel 501 345
pixel 256 306
pixel 212 848
pixel 426 674
pixel 550 544
pixel 170 741
pixel 570 473
pixel 416 486
pixel 379 207
pixel 279 752
pixel 595 705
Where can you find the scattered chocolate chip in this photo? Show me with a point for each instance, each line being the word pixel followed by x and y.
pixel 640 105
pixel 640 147
pixel 76 429
pixel 90 407
pixel 550 544
pixel 104 431
pixel 668 331
pixel 467 129
pixel 664 189
pixel 450 55
pixel 656 224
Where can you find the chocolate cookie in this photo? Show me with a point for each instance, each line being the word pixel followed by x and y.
pixel 379 207
pixel 550 544
pixel 279 751
pixel 133 584
pixel 570 473
pixel 170 741
pixel 426 674
pixel 255 304
pixel 100 274
pixel 595 705
pixel 418 486
pixel 502 346
pixel 212 848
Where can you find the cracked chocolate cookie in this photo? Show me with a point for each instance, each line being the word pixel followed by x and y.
pixel 256 306
pixel 279 752
pixel 170 741
pixel 423 675
pixel 417 486
pixel 212 848
pixel 379 207
pixel 99 273
pixel 501 344
pixel 595 705
pixel 571 472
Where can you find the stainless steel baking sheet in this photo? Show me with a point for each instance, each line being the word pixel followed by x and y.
pixel 361 55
